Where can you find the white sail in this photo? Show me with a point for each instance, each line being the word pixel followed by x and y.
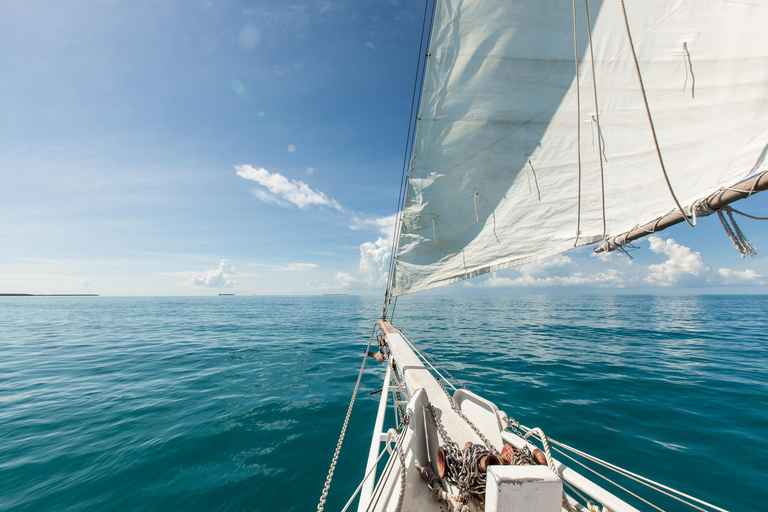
pixel 495 175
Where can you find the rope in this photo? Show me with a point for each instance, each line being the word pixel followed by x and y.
pixel 688 64
pixel 734 210
pixel 409 142
pixel 432 361
pixel 650 119
pixel 578 123
pixel 597 117
pixel 335 459
pixel 545 443
pixel 734 232
pixel 628 474
pixel 373 467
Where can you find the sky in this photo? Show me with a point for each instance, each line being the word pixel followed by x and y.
pixel 193 147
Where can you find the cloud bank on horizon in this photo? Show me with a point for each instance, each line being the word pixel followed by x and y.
pixel 682 267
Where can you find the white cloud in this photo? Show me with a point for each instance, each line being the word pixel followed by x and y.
pixel 728 276
pixel 385 225
pixel 280 190
pixel 221 277
pixel 681 263
pixel 538 267
pixel 374 262
pixel 370 46
pixel 373 266
pixel 295 267
pixel 611 277
pixel 345 280
pixel 547 273
pixel 288 267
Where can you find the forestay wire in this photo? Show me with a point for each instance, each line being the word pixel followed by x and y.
pixel 562 448
pixel 418 83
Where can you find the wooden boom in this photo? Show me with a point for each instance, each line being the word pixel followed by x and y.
pixel 715 202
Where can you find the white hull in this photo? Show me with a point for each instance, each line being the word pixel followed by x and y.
pixel 509 487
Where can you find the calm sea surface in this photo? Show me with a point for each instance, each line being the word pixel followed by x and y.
pixel 235 403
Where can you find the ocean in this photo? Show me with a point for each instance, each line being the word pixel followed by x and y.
pixel 236 403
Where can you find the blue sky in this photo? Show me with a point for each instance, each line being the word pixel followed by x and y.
pixel 198 147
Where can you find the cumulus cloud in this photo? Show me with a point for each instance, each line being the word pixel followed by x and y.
pixel 538 267
pixel 221 277
pixel 728 276
pixel 374 262
pixel 280 190
pixel 610 277
pixel 681 262
pixel 385 225
pixel 549 272
pixel 373 266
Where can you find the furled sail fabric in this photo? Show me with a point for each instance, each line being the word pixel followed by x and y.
pixel 494 180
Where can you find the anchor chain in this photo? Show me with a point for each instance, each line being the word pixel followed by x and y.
pixel 458 411
pixel 462 467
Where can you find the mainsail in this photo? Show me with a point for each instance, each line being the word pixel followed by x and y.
pixel 513 162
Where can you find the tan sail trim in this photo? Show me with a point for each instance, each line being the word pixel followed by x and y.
pixel 710 204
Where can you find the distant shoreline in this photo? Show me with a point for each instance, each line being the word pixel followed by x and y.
pixel 49 294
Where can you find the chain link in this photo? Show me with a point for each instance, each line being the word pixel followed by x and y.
pixel 335 459
pixel 456 409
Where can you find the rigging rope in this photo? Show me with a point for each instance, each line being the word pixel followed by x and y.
pixel 668 491
pixel 597 116
pixel 650 119
pixel 734 232
pixel 335 459
pixel 409 142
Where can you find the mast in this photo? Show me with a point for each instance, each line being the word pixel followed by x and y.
pixel 418 87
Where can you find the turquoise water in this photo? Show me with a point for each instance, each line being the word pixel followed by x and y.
pixel 235 403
